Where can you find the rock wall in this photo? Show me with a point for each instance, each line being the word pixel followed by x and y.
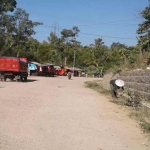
pixel 138 80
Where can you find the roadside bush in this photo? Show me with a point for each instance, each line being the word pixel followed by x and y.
pixel 133 98
pixel 145 126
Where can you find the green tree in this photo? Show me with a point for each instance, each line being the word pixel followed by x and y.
pixel 98 42
pixel 68 35
pixel 30 49
pixel 23 27
pixel 18 30
pixel 95 56
pixel 58 45
pixel 117 46
pixel 144 29
pixel 47 54
pixel 7 5
pixel 73 53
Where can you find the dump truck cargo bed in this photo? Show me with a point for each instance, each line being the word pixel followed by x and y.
pixel 13 68
pixel 12 64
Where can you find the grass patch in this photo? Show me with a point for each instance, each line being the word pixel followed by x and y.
pixel 97 86
pixel 92 84
pixel 145 126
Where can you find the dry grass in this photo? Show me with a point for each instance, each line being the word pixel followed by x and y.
pixel 97 86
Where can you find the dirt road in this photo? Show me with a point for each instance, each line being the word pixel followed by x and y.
pixel 60 114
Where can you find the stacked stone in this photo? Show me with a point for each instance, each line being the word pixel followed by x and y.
pixel 137 80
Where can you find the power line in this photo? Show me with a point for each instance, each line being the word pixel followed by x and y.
pixel 87 33
pixel 77 18
pixel 96 34
pixel 107 36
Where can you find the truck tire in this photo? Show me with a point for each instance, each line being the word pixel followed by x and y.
pixel 11 78
pixel 5 78
pixel 17 80
pixel 21 78
pixel 25 79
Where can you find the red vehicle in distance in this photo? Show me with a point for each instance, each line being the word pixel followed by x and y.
pixel 13 68
pixel 60 71
pixel 46 70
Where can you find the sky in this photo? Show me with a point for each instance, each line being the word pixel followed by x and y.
pixel 110 20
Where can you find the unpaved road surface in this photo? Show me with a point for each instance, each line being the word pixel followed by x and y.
pixel 60 114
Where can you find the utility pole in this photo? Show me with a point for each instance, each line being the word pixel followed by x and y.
pixel 139 40
pixel 54 27
pixel 148 39
pixel 74 57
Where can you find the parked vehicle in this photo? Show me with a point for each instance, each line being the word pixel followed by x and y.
pixel 32 69
pixel 60 71
pixel 13 68
pixel 57 70
pixel 51 70
pixel 46 70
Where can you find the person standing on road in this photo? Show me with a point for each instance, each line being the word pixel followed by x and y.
pixel 69 75
pixel 116 84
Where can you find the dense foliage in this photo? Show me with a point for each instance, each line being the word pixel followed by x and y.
pixel 16 32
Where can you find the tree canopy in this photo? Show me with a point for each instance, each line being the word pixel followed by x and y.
pixel 16 30
pixel 7 5
pixel 144 29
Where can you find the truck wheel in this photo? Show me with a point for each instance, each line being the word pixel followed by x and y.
pixel 21 78
pixel 5 78
pixel 11 79
pixel 25 79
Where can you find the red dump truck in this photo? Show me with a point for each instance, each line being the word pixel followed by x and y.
pixel 13 68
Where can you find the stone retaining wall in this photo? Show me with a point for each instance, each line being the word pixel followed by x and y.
pixel 138 80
